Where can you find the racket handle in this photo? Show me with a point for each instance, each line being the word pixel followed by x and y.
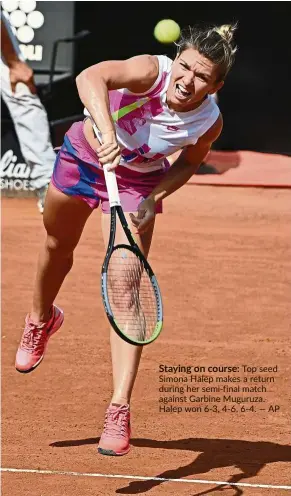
pixel 112 187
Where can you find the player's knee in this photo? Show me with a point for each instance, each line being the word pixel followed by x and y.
pixel 60 247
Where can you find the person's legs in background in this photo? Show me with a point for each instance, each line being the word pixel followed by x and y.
pixel 32 129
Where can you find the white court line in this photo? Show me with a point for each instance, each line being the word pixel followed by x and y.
pixel 140 477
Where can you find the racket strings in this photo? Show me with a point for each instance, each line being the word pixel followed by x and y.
pixel 131 295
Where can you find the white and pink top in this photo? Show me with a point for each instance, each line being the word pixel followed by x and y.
pixel 148 130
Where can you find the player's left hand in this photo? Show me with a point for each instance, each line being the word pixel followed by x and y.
pixel 145 215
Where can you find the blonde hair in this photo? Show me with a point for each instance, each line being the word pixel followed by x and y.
pixel 214 42
pixel 226 31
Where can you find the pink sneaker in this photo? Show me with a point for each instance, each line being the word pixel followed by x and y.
pixel 115 437
pixel 34 340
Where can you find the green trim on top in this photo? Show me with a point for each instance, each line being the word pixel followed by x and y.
pixel 118 114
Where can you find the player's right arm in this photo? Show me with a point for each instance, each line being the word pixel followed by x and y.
pixel 137 74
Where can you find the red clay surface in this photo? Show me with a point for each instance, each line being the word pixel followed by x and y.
pixel 245 168
pixel 222 257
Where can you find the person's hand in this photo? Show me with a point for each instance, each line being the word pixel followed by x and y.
pixel 109 152
pixel 145 215
pixel 20 72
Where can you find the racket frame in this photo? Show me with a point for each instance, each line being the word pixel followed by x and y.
pixel 116 209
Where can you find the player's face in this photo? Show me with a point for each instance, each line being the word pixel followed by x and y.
pixel 193 77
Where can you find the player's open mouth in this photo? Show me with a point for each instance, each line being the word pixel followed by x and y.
pixel 181 93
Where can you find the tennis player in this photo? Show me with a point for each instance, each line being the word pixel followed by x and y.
pixel 146 108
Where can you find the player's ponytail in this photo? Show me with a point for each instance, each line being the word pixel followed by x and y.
pixel 226 31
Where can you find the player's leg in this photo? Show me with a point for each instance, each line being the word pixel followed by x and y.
pixel 125 362
pixel 125 356
pixel 64 219
pixel 70 200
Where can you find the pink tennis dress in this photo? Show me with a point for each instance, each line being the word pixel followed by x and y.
pixel 147 131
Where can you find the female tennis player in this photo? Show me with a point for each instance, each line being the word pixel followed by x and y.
pixel 146 108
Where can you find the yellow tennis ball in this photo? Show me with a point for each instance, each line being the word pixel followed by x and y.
pixel 167 31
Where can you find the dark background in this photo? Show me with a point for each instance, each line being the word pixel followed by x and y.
pixel 59 20
pixel 256 99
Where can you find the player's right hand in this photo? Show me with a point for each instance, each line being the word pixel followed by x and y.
pixel 109 152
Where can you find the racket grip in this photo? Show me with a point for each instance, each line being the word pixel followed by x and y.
pixel 112 187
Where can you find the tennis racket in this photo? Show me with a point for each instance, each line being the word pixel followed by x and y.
pixel 129 288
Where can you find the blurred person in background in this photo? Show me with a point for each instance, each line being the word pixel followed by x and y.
pixel 27 112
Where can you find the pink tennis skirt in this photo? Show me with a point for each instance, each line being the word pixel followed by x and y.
pixel 77 173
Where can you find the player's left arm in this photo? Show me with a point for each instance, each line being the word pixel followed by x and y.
pixel 179 173
pixel 187 163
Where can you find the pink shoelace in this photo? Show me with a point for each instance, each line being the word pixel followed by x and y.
pixel 33 337
pixel 116 422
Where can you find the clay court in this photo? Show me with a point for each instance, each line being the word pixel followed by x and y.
pixel 222 257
